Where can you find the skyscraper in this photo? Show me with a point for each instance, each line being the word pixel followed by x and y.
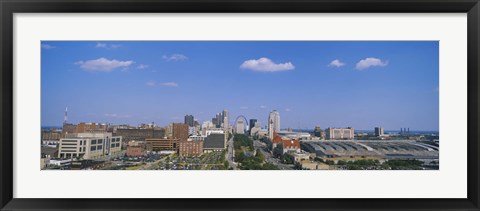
pixel 189 120
pixel 225 121
pixel 65 116
pixel 273 123
pixel 252 124
pixel 379 131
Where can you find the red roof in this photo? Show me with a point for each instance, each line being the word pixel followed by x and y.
pixel 291 144
pixel 277 139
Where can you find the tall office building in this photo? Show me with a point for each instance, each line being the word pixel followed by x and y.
pixel 180 131
pixel 226 126
pixel 273 123
pixel 379 131
pixel 189 120
pixel 251 124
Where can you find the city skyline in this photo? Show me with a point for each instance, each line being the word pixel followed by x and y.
pixel 331 84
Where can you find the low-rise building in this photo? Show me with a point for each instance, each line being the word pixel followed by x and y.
pixel 214 142
pixel 89 145
pixel 51 135
pixel 129 134
pixel 313 165
pixel 162 144
pixel 135 151
pixel 298 157
pixel 291 146
pixel 190 148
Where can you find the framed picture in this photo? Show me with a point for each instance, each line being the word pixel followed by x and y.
pixel 161 105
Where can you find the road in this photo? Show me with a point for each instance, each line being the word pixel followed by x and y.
pixel 229 155
pixel 268 157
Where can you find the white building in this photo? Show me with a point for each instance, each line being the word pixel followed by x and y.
pixel 294 135
pixel 273 123
pixel 240 126
pixel 89 145
pixel 225 125
pixel 255 129
pixel 339 133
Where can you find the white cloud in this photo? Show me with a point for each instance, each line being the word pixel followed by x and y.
pixel 101 45
pixel 110 115
pixel 370 62
pixel 103 64
pixel 266 65
pixel 336 63
pixel 151 83
pixel 142 66
pixel 174 57
pixel 244 107
pixel 115 46
pixel 170 84
pixel 117 115
pixel 105 45
pixel 46 46
pixel 263 106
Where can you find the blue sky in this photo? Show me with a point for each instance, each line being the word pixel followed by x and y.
pixel 361 84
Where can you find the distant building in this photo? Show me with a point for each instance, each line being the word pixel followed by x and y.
pixel 180 131
pixel 162 144
pixel 251 124
pixel 379 131
pixel 68 128
pixel 240 125
pixel 339 133
pixel 255 129
pixel 191 131
pixel 225 123
pixel 189 120
pixel 273 123
pixel 89 145
pixel 140 134
pixel 190 148
pixel 214 142
pixel 90 127
pixel 294 135
pixel 318 132
pixel 135 149
pixel 51 135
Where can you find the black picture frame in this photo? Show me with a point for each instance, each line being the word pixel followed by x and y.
pixel 9 7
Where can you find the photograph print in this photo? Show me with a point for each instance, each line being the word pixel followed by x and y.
pixel 239 105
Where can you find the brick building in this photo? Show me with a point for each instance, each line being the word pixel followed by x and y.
pixel 190 148
pixel 180 131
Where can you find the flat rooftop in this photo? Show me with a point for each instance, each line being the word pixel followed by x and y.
pixel 401 149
